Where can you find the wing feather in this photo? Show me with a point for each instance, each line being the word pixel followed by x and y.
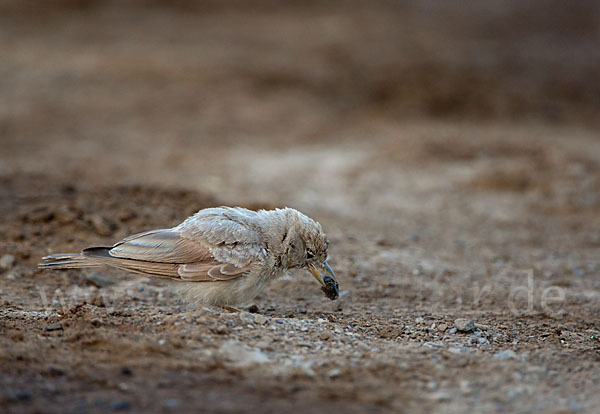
pixel 165 253
pixel 164 246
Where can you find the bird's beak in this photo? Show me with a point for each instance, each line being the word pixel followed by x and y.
pixel 312 268
pixel 329 284
pixel 318 270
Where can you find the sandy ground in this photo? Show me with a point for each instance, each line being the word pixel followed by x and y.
pixel 453 158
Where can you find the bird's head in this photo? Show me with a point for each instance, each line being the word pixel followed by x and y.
pixel 305 246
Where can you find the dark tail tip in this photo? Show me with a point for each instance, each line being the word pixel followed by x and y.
pixel 98 251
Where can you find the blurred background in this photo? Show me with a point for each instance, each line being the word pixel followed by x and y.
pixel 154 90
pixel 444 146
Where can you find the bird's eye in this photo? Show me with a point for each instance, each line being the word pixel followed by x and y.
pixel 309 254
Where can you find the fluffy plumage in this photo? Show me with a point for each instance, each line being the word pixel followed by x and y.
pixel 220 256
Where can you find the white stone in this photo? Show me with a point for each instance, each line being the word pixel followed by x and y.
pixel 7 261
pixel 243 355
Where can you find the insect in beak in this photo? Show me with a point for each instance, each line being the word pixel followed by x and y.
pixel 329 284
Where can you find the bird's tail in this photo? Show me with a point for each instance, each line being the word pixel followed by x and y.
pixel 67 261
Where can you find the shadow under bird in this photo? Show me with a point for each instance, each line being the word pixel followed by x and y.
pixel 220 256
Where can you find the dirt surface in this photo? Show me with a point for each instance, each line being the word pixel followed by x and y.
pixel 453 158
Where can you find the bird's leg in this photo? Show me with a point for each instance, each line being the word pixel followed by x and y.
pixel 230 309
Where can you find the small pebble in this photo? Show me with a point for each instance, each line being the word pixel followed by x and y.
pixel 452 331
pixel 55 371
pixel 464 325
pixel 260 319
pixel 7 261
pixel 442 327
pixel 440 396
pixel 98 301
pixel 325 336
pixel 506 354
pixel 119 406
pixel 54 327
pixel 23 395
pixel 242 355
pixel 246 317
pixel 334 373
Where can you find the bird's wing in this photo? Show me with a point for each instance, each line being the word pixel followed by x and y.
pixel 166 253
pixel 222 225
pixel 163 246
pixel 230 234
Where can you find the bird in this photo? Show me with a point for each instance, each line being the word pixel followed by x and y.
pixel 221 256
